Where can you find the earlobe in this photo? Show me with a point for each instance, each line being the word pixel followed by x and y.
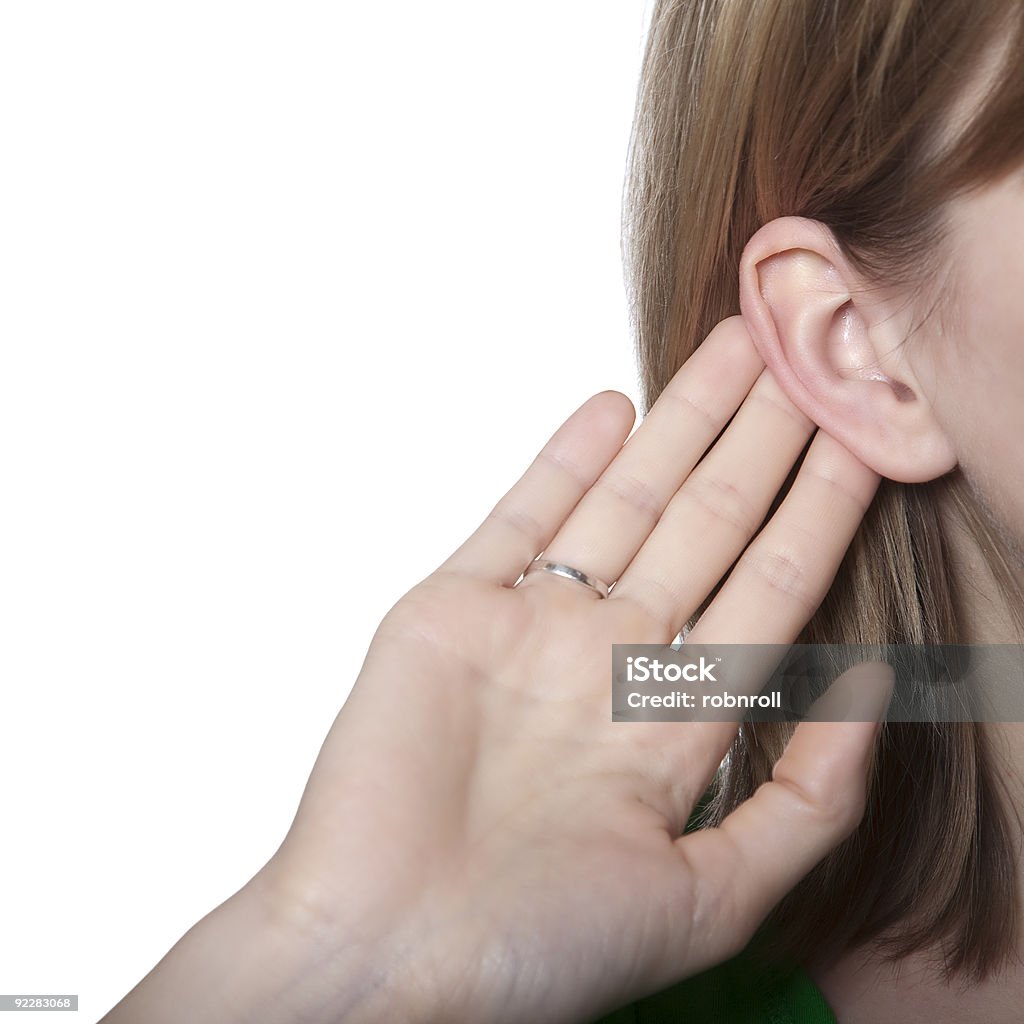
pixel 834 345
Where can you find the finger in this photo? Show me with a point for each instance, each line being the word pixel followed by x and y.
pixel 618 513
pixel 712 517
pixel 815 799
pixel 772 592
pixel 520 526
pixel 783 576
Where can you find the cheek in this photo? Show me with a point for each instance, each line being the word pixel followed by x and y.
pixel 983 382
pixel 989 439
pixel 993 444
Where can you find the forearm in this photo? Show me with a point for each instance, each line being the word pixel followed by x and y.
pixel 243 963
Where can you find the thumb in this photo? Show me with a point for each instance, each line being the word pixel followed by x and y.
pixel 815 799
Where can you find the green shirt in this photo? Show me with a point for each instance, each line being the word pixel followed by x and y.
pixel 736 992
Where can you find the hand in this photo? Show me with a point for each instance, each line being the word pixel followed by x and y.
pixel 477 819
pixel 478 840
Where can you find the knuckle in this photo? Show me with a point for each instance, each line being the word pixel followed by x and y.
pixel 786 408
pixel 564 466
pixel 835 806
pixel 636 493
pixel 652 607
pixel 519 520
pixel 784 575
pixel 835 485
pixel 722 501
pixel 691 409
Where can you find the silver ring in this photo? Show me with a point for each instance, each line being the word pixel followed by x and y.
pixel 558 569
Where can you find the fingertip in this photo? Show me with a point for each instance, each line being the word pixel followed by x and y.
pixel 613 410
pixel 617 398
pixel 860 694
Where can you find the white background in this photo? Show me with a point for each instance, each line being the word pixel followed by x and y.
pixel 290 293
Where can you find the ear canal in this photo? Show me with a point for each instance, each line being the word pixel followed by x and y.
pixel 900 390
pixel 853 357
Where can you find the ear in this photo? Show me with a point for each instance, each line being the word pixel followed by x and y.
pixel 834 346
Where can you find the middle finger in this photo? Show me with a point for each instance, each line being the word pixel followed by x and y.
pixel 718 509
pixel 617 514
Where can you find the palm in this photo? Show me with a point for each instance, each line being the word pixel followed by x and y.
pixel 525 681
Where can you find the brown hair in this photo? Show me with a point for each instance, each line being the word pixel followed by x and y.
pixel 828 109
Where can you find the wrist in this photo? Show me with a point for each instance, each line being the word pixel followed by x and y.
pixel 259 956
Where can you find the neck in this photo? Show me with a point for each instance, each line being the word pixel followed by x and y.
pixel 989 619
pixel 986 613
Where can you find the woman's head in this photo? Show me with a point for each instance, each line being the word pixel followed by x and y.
pixel 917 369
pixel 847 174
